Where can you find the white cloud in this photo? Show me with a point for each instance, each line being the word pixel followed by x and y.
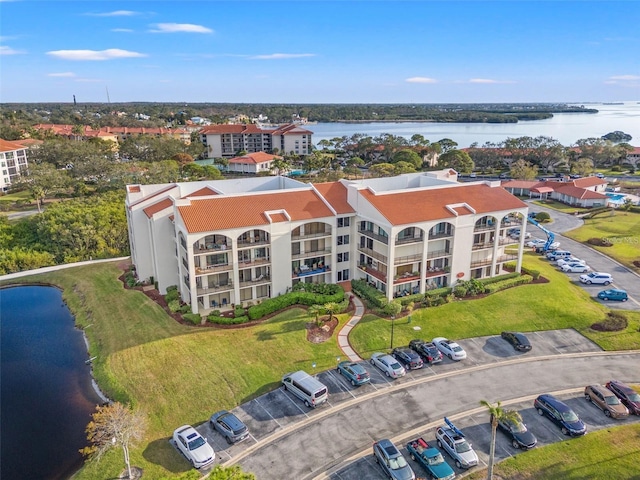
pixel 4 50
pixel 116 13
pixel 489 81
pixel 179 27
pixel 81 55
pixel 624 78
pixel 421 80
pixel 126 30
pixel 61 74
pixel 281 56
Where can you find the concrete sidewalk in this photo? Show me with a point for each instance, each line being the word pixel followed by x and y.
pixel 343 334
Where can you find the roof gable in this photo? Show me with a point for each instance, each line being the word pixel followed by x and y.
pixel 336 194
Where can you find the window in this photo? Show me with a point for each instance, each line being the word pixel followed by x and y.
pixel 343 257
pixel 345 274
pixel 246 294
pixel 343 222
pixel 262 291
pixel 343 239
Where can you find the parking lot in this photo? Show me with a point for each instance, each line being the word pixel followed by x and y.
pixel 280 423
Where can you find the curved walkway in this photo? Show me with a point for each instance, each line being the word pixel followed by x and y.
pixel 343 334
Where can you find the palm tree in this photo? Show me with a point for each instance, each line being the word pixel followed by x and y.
pixel 497 413
pixel 331 308
pixel 316 310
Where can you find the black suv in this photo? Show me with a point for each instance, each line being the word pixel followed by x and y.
pixel 561 414
pixel 427 350
pixel 410 359
pixel 519 340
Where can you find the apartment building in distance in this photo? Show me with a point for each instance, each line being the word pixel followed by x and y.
pixel 13 161
pixel 240 241
pixel 225 141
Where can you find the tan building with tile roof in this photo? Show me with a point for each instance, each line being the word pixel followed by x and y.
pixel 583 192
pixel 226 242
pixel 13 161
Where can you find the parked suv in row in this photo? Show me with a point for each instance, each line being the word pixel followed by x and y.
pixel 628 395
pixel 561 414
pixel 410 359
pixel 606 400
pixel 392 461
pixel 596 277
pixel 427 350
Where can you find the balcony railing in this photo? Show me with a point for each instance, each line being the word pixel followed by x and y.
pixel 374 273
pixel 312 253
pixel 438 253
pixel 407 259
pixel 405 278
pixel 262 279
pixel 436 236
pixel 214 288
pixel 244 262
pixel 212 247
pixel 436 272
pixel 325 233
pixel 506 258
pixel 300 272
pixel 407 240
pixel 373 254
pixel 252 242
pixel 223 267
pixel 375 236
pixel 484 227
pixel 483 262
pixel 482 246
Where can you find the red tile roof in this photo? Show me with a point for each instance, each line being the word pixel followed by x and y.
pixel 222 212
pixel 336 194
pixel 278 217
pixel 162 190
pixel 416 206
pixel 589 182
pixel 581 193
pixel 239 128
pixel 254 158
pixel 203 192
pixel 463 210
pixel 7 146
pixel 134 188
pixel 158 207
pixel 526 184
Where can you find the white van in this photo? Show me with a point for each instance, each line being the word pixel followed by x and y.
pixel 306 388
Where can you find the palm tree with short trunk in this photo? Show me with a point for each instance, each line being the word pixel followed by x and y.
pixel 497 413
pixel 316 311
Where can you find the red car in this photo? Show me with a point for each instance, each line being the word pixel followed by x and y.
pixel 627 395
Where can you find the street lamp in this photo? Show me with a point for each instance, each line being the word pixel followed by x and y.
pixel 393 317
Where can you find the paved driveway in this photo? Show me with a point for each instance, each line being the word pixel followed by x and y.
pixel 280 424
pixel 622 276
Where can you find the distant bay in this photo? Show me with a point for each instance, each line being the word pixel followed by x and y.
pixel 567 128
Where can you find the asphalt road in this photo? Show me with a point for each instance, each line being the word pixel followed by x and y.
pixel 289 440
pixel 622 277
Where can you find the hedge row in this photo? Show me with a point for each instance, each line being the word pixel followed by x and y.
pixel 227 321
pixel 194 318
pixel 499 278
pixel 297 297
pixel 372 295
pixel 511 282
pixel 528 271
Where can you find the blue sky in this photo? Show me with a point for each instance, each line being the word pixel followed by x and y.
pixel 319 52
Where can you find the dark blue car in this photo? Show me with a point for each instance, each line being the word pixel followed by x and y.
pixel 560 414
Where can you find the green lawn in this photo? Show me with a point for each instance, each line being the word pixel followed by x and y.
pixel 559 206
pixel 621 228
pixel 606 454
pixel 181 374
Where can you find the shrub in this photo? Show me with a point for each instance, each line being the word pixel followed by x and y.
pixel 415 298
pixel 499 278
pixel 172 288
pixel 238 311
pixel 460 291
pixel 172 295
pixel 543 217
pixel 174 305
pixel 438 292
pixel 365 291
pixel 227 321
pixel 280 302
pixel 614 322
pixel 511 282
pixel 194 318
pixel 599 242
pixel 185 308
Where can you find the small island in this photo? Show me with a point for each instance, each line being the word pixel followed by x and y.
pixel 617 137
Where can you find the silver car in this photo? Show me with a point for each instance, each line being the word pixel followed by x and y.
pixel 388 365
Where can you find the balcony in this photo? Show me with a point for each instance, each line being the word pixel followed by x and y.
pixel 374 254
pixel 406 278
pixel 484 227
pixel 438 253
pixel 375 236
pixel 506 258
pixel 308 271
pixel 481 263
pixel 312 253
pixel 261 280
pixel 221 267
pixel 482 246
pixel 325 233
pixel 436 272
pixel 407 259
pixel 252 242
pixel 439 235
pixel 245 262
pixel 214 288
pixel 382 276
pixel 207 249
pixel 408 240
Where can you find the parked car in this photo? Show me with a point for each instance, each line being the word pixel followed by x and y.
pixel 193 446
pixel 561 414
pixel 606 400
pixel 563 261
pixel 596 277
pixel 535 242
pixel 427 350
pixel 629 397
pixel 503 176
pixel 613 294
pixel 558 254
pixel 450 348
pixel 354 372
pixel 410 359
pixel 306 387
pixel 452 441
pixel 575 268
pixel 229 426
pixel 392 461
pixel 518 432
pixel 430 459
pixel 518 340
pixel 515 233
pixel 388 365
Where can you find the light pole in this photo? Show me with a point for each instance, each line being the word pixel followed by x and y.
pixel 393 317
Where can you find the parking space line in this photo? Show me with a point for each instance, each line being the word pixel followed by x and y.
pixel 291 400
pixel 267 411
pixel 546 340
pixel 340 382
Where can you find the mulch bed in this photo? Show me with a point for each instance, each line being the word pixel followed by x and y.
pixel 323 332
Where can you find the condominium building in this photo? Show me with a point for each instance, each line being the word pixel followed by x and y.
pixel 239 241
pixel 224 141
pixel 13 161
